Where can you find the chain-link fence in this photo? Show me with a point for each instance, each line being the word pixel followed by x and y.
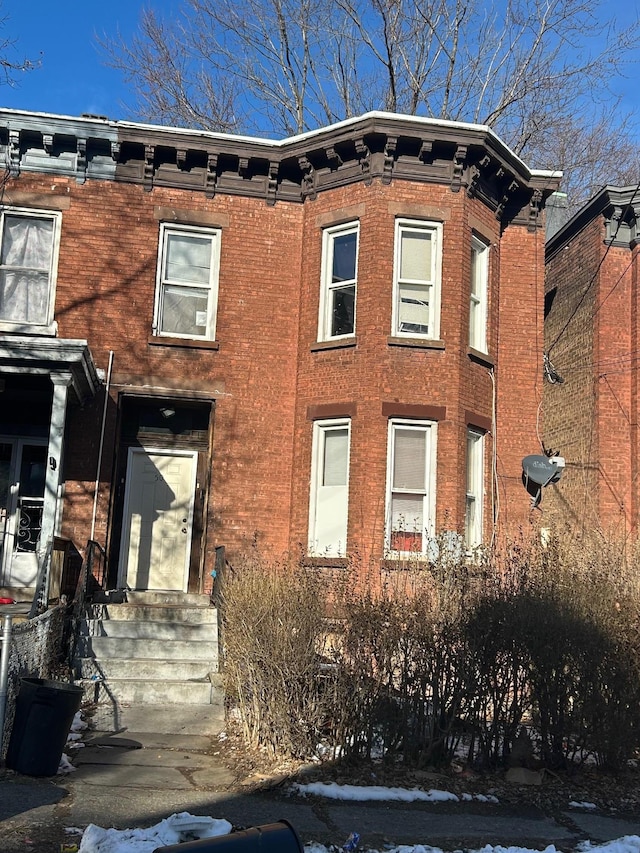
pixel 37 648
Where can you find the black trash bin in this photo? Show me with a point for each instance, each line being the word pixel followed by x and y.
pixel 278 837
pixel 44 714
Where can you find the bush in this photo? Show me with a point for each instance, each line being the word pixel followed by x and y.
pixel 538 642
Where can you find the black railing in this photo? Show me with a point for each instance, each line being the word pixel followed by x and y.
pixel 92 578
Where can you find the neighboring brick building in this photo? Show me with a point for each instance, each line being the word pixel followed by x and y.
pixel 330 343
pixel 591 337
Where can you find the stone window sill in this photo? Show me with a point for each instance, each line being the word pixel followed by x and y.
pixel 189 343
pixel 415 343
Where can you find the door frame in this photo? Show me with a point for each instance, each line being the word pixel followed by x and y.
pixel 125 532
pixel 12 519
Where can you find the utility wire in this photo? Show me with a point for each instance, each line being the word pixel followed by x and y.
pixel 590 284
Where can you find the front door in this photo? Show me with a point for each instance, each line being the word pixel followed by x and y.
pixel 22 481
pixel 158 519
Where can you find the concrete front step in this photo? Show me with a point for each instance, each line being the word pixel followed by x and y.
pixel 128 647
pixel 155 613
pixel 137 630
pixel 161 670
pixel 150 692
pixel 172 719
pixel 180 599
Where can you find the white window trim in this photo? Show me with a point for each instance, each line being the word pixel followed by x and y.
pixel 166 229
pixel 478 329
pixel 436 271
pixel 320 430
pixel 475 479
pixel 430 428
pixel 327 287
pixel 50 327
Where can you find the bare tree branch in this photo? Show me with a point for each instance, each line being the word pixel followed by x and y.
pixel 534 70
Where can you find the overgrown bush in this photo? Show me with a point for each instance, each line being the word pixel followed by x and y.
pixel 537 642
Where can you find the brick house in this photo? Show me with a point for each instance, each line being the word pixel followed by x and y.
pixel 591 338
pixel 328 344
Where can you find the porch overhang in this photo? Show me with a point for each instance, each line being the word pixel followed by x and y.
pixel 52 356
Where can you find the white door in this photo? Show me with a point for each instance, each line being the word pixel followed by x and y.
pixel 22 480
pixel 158 519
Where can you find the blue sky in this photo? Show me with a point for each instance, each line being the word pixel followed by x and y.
pixel 72 78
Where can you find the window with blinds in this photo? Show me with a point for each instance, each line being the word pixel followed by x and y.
pixel 417 271
pixel 187 287
pixel 410 490
pixel 475 489
pixel 329 497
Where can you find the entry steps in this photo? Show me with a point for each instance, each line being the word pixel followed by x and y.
pixel 150 664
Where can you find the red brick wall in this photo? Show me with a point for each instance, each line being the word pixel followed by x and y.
pixel 591 418
pixel 266 373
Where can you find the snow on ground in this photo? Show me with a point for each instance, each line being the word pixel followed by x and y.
pixel 184 827
pixel 372 792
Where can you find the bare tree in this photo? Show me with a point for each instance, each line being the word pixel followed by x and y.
pixel 11 64
pixel 540 72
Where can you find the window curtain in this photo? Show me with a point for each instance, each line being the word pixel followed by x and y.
pixel 25 264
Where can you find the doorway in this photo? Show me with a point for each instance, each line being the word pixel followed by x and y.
pixel 22 484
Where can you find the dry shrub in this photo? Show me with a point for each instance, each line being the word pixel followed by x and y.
pixel 539 636
pixel 273 625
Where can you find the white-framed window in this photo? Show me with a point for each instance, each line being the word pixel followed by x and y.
pixel 28 268
pixel 329 497
pixel 479 294
pixel 416 280
pixel 410 487
pixel 475 489
pixel 187 282
pixel 339 278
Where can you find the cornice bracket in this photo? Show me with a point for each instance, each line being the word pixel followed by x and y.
pixel 458 168
pixel 115 151
pixel 426 151
pixel 211 177
pixel 474 180
pixel 181 158
pixel 513 186
pixel 47 142
pixel 389 159
pixel 81 161
pixel 149 156
pixel 243 167
pixel 272 182
pixel 308 183
pixel 534 210
pixel 364 155
pixel 333 158
pixel 14 152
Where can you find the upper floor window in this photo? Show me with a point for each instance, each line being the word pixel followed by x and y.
pixel 28 266
pixel 479 295
pixel 339 278
pixel 417 271
pixel 187 285
pixel 410 487
pixel 328 507
pixel 475 489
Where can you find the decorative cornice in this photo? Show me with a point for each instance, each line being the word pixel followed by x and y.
pixel 619 210
pixel 381 146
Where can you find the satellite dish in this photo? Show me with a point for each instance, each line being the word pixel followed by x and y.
pixel 542 470
pixel 539 471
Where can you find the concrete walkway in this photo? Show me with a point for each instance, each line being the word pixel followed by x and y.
pixel 136 779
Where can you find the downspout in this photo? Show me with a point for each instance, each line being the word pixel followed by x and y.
pixel 100 449
pixel 4 673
